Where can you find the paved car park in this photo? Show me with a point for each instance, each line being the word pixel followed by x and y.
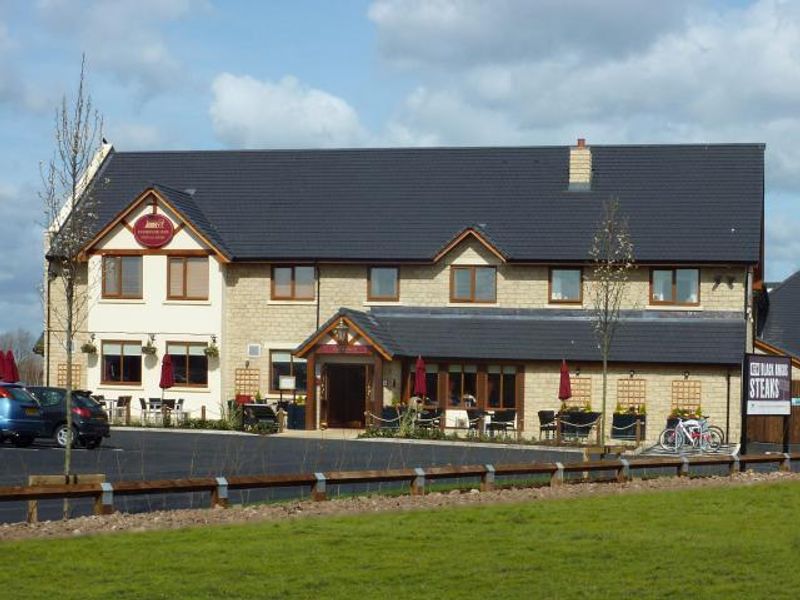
pixel 147 455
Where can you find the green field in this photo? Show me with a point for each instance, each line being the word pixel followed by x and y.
pixel 739 542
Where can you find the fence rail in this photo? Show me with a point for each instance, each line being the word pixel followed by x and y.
pixel 218 487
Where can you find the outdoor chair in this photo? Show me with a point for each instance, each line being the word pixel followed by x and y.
pixel 390 418
pixel 429 418
pixel 502 420
pixel 120 408
pixel 180 414
pixel 474 417
pixel 148 411
pixel 547 424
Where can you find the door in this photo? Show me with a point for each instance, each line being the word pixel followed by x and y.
pixel 346 395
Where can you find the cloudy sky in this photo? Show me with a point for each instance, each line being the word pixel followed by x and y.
pixel 173 74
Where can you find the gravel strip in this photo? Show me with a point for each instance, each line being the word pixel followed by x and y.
pixel 179 519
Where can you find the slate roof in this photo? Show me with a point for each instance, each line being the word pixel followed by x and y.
pixel 685 203
pixel 782 325
pixel 545 334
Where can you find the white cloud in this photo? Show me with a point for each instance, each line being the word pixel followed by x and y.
pixel 248 112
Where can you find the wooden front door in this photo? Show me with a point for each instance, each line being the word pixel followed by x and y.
pixel 346 395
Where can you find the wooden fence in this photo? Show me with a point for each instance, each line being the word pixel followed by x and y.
pixel 417 478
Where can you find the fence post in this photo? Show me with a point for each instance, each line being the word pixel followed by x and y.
pixel 128 413
pixel 104 503
pixel 786 463
pixel 623 471
pixel 487 479
pixel 683 469
pixel 319 490
pixel 418 483
pixel 557 478
pixel 203 412
pixel 638 431
pixel 281 420
pixel 558 430
pixel 219 496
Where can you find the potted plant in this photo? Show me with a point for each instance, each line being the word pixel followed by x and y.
pixel 212 350
pixel 684 413
pixel 623 425
pixel 149 349
pixel 577 419
pixel 296 413
pixel 88 348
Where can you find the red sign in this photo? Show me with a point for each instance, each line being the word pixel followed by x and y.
pixel 338 349
pixel 153 231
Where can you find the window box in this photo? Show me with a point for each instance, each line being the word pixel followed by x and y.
pixel 623 426
pixel 577 423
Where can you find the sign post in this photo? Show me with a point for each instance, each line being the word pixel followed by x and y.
pixel 766 390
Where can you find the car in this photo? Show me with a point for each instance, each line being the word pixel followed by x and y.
pixel 21 416
pixel 89 420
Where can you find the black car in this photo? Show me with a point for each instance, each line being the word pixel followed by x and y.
pixel 89 420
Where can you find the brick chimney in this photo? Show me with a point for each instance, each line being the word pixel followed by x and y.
pixel 580 167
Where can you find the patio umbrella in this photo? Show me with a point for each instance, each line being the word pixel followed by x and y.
pixel 11 372
pixel 167 374
pixel 564 387
pixel 420 381
pixel 2 366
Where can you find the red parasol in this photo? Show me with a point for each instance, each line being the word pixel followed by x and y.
pixel 167 374
pixel 420 381
pixel 2 366
pixel 564 388
pixel 11 372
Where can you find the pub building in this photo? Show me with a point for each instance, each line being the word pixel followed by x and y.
pixel 337 269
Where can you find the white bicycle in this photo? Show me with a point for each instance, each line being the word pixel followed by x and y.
pixel 695 432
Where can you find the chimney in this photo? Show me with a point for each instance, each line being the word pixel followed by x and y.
pixel 580 167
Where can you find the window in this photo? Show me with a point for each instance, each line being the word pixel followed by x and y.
pixel 472 284
pixel 122 277
pixel 189 363
pixel 463 385
pixel 502 386
pixel 383 284
pixel 187 278
pixel 292 283
pixel 566 286
pixel 282 363
pixel 122 362
pixel 675 286
pixel 431 384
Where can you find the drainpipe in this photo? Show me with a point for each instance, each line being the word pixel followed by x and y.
pixel 317 273
pixel 47 333
pixel 728 408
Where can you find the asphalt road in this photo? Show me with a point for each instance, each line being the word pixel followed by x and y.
pixel 143 455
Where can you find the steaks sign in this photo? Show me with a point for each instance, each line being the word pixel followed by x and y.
pixel 153 231
pixel 767 384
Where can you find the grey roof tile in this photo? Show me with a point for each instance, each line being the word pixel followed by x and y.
pixel 782 325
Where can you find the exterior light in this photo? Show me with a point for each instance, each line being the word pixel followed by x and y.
pixel 632 373
pixel 152 337
pixel 578 372
pixel 213 339
pixel 686 374
pixel 340 332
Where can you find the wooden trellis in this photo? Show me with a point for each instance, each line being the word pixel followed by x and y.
pixel 247 381
pixel 686 394
pixel 581 392
pixel 631 393
pixel 61 376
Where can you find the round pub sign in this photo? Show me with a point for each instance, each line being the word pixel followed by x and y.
pixel 153 231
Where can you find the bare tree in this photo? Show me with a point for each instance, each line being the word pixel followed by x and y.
pixel 71 216
pixel 29 364
pixel 612 254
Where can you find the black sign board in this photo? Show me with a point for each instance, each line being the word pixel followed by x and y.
pixel 767 384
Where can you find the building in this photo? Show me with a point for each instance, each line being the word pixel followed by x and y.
pixel 340 267
pixel 779 331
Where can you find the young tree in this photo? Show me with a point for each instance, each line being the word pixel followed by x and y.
pixel 70 216
pixel 612 254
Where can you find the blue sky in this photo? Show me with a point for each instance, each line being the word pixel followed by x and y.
pixel 172 74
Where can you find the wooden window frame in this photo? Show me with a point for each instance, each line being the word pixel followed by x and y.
pixel 293 295
pixel 473 281
pixel 122 343
pixel 200 386
pixel 550 298
pixel 184 260
pixel 501 408
pixel 119 295
pixel 673 302
pixel 370 297
pixel 291 370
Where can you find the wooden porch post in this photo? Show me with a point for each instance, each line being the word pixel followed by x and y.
pixel 377 385
pixel 311 392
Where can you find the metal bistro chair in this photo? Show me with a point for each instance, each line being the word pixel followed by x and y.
pixel 503 420
pixel 120 408
pixel 180 415
pixel 148 410
pixel 168 410
pixel 547 424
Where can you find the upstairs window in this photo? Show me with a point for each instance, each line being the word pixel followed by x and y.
pixel 187 278
pixel 293 283
pixel 473 284
pixel 680 287
pixel 566 286
pixel 383 284
pixel 122 277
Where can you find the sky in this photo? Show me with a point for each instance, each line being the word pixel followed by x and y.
pixel 216 74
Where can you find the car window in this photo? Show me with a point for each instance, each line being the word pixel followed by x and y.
pixel 83 401
pixel 48 397
pixel 20 394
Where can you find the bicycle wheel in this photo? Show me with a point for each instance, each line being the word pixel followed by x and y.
pixel 720 432
pixel 670 440
pixel 715 438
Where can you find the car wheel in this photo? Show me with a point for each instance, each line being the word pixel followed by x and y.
pixel 23 441
pixel 62 436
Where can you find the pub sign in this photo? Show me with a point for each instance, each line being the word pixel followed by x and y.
pixel 768 384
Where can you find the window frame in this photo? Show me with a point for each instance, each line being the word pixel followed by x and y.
pixel 396 297
pixel 186 356
pixel 674 301
pixel 293 295
pixel 292 358
pixel 185 259
pixel 473 282
pixel 122 344
pixel 120 295
pixel 501 395
pixel 550 298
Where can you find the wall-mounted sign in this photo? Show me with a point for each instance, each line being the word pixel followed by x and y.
pixel 768 384
pixel 153 231
pixel 339 349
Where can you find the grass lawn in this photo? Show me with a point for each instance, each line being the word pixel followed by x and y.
pixel 739 542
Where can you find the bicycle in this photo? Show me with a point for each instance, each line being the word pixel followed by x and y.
pixel 696 432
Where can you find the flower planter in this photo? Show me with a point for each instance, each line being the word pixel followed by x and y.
pixel 577 424
pixel 295 416
pixel 623 426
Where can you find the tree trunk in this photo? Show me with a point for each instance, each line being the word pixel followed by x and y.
pixel 605 395
pixel 70 335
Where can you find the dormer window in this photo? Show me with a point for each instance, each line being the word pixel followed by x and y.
pixel 473 284
pixel 677 287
